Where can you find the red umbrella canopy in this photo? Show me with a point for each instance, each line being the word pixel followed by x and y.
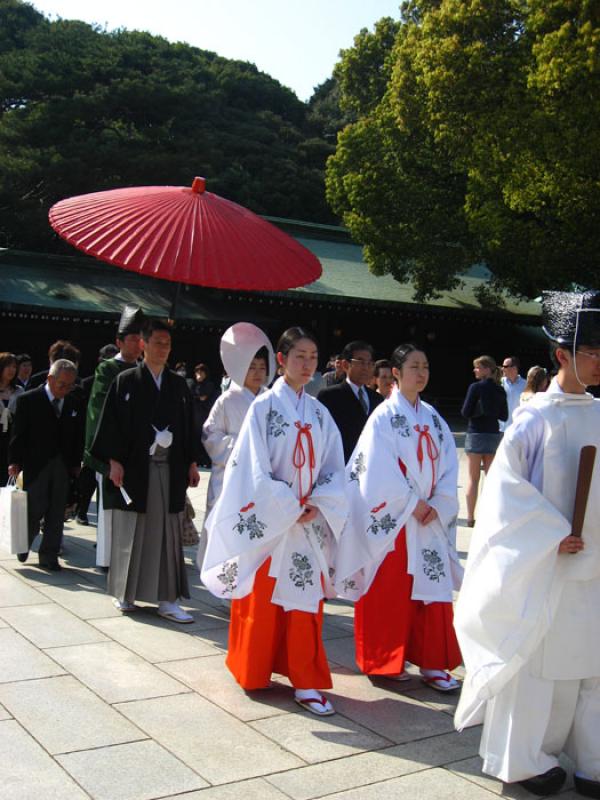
pixel 187 235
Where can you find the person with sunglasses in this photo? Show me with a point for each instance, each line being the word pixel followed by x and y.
pixel 514 385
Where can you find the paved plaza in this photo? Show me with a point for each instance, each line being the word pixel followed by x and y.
pixel 94 704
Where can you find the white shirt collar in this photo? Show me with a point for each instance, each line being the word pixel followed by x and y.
pixel 356 390
pixel 51 397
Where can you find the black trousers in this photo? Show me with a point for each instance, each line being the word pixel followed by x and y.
pixel 86 486
pixel 46 498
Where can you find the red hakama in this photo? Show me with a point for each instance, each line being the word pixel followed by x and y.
pixel 391 628
pixel 263 638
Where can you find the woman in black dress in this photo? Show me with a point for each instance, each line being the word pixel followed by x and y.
pixel 485 404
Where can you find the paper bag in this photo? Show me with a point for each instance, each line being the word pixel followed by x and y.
pixel 13 519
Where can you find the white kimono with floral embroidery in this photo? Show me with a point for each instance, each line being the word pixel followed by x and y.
pixel 397 438
pixel 287 449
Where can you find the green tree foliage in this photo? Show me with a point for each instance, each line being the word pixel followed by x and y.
pixel 479 142
pixel 83 109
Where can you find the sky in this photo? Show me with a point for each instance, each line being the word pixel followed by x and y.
pixel 295 41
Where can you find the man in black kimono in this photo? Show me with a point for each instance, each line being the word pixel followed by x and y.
pixel 145 435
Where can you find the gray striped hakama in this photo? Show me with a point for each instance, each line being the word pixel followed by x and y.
pixel 147 561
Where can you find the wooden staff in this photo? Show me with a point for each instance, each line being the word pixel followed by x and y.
pixel 584 479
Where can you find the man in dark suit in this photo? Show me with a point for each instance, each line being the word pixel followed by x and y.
pixel 351 401
pixel 47 444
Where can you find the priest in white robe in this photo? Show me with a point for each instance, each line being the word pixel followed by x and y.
pixel 527 617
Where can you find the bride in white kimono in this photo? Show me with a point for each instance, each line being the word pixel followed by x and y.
pixel 397 554
pixel 273 531
pixel 249 360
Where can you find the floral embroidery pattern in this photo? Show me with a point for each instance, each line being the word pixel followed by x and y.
pixel 433 566
pixel 281 480
pixel 254 526
pixel 234 463
pixel 320 534
pixel 322 480
pixel 438 426
pixel 400 425
pixel 319 414
pixel 228 576
pixel 302 572
pixel 385 524
pixel 358 467
pixel 348 585
pixel 276 424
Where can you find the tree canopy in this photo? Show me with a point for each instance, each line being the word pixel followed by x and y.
pixel 476 139
pixel 83 109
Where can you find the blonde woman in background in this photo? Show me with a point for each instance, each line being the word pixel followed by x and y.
pixel 485 404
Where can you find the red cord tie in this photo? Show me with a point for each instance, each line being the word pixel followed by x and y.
pixel 300 456
pixel 432 451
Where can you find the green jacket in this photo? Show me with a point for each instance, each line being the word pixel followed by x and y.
pixel 106 372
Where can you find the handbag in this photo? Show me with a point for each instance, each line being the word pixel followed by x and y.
pixel 13 518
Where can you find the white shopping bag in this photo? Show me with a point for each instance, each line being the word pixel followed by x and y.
pixel 13 519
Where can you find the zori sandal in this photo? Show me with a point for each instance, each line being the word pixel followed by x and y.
pixel 319 705
pixel 440 681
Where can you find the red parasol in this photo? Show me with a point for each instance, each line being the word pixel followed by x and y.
pixel 186 235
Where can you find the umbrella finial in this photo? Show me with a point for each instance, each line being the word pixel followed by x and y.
pixel 199 185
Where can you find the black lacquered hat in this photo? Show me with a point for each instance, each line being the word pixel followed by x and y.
pixel 132 320
pixel 570 317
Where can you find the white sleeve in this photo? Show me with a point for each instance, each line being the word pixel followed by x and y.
pixel 526 438
pixel 216 437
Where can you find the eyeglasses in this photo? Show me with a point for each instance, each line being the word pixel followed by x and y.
pixel 595 356
pixel 362 362
pixel 509 366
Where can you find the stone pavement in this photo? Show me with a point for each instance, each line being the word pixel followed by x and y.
pixel 94 704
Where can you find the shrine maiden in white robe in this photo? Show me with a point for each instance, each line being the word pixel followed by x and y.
pixel 527 617
pixel 289 448
pixel 382 501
